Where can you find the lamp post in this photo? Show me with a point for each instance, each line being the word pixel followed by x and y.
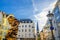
pixel 50 17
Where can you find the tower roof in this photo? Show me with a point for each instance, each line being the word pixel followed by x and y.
pixel 26 21
pixel 37 27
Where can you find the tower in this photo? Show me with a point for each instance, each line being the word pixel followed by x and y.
pixel 37 29
pixel 37 33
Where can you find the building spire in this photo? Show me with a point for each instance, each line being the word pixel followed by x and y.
pixel 37 28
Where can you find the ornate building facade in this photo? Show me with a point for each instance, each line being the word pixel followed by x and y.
pixel 26 30
pixel 8 27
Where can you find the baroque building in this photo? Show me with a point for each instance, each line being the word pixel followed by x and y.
pixel 8 26
pixel 4 25
pixel 26 30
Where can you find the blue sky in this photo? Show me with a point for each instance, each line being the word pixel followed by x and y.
pixel 22 8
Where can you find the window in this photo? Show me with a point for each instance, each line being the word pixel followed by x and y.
pixel 22 30
pixel 32 26
pixel 19 35
pixel 29 30
pixel 33 30
pixel 19 26
pixel 25 30
pixel 22 25
pixel 22 21
pixel 21 38
pixel 19 30
pixel 29 25
pixel 25 25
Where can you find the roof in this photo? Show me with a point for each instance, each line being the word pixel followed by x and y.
pixel 26 21
pixel 37 27
pixel 56 5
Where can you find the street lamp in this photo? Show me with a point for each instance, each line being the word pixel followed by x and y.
pixel 50 17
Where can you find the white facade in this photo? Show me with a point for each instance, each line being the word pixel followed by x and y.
pixel 26 29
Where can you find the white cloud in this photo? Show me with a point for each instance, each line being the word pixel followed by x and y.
pixel 41 17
